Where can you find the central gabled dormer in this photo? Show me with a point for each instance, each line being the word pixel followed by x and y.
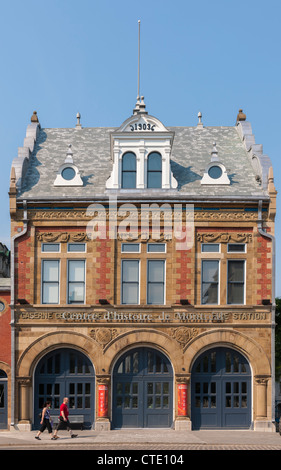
pixel 141 151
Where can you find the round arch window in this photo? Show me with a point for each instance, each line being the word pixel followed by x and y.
pixel 2 306
pixel 68 173
pixel 215 172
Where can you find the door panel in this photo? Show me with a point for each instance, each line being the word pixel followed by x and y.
pixel 142 390
pixel 65 373
pixel 221 390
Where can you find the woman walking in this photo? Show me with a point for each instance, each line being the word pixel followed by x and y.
pixel 45 421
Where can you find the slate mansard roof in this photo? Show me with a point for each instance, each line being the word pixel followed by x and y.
pixel 44 151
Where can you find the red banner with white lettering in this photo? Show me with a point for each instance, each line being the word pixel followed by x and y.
pixel 182 399
pixel 103 401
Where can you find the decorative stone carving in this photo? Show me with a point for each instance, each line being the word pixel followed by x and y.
pixel 183 334
pixel 224 237
pixel 103 335
pixel 62 237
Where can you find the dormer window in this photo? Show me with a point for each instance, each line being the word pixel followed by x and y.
pixel 141 154
pixel 68 174
pixel 215 172
pixel 154 170
pixel 129 170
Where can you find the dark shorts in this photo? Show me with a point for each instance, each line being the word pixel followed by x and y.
pixel 46 424
pixel 63 424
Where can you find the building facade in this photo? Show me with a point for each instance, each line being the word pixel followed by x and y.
pixel 143 276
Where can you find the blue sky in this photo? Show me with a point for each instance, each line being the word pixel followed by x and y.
pixel 59 57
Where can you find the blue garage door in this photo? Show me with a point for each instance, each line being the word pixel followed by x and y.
pixel 142 390
pixel 221 390
pixel 65 373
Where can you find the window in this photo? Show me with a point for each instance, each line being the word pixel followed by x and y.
pixel 76 247
pixel 215 172
pixel 68 173
pixel 210 248
pixel 156 282
pixel 130 282
pixel 236 248
pixel 235 281
pixel 210 282
pixel 154 170
pixel 50 281
pixel 156 248
pixel 76 282
pixel 130 248
pixel 50 247
pixel 129 170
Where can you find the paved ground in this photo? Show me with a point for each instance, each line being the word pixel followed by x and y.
pixel 144 440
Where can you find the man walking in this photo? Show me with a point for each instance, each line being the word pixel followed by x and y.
pixel 63 419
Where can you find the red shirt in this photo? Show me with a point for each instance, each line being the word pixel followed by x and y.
pixel 64 408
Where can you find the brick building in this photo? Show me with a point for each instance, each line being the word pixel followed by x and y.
pixel 5 333
pixel 143 266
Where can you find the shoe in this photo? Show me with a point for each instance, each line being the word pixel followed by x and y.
pixel 54 438
pixel 74 435
pixel 37 437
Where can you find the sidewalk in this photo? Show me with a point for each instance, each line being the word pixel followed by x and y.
pixel 144 439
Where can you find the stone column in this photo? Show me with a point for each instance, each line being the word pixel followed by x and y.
pixel 262 422
pixel 103 394
pixel 182 418
pixel 261 386
pixel 24 399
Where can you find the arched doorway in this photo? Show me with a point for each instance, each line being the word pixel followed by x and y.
pixel 3 399
pixel 142 390
pixel 65 373
pixel 221 390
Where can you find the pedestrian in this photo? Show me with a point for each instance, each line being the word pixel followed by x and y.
pixel 46 422
pixel 63 419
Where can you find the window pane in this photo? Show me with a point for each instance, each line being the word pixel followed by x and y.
pixel 130 272
pixel 130 247
pixel 156 271
pixel 50 247
pixel 129 162
pixel 130 293
pixel 210 271
pixel 76 271
pixel 235 294
pixel 76 247
pixel 50 293
pixel 156 248
pixel 154 162
pixel 75 292
pixel 236 247
pixel 236 271
pixel 210 248
pixel 51 271
pixel 128 180
pixel 154 179
pixel 155 293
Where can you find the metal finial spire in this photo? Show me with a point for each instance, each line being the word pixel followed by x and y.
pixel 139 63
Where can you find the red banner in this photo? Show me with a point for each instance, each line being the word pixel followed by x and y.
pixel 103 401
pixel 182 399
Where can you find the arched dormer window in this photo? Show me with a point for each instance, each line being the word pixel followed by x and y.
pixel 154 170
pixel 129 170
